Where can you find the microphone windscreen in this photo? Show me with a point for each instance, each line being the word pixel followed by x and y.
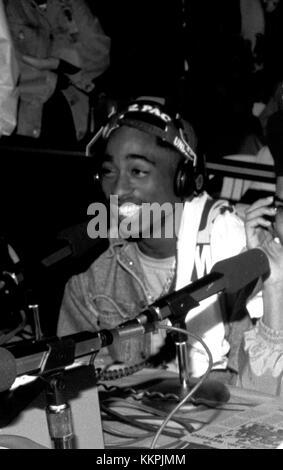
pixel 242 269
pixel 8 369
pixel 80 242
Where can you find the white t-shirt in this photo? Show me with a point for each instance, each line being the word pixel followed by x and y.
pixel 158 275
pixel 226 239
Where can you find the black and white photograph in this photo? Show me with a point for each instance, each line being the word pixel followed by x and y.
pixel 141 227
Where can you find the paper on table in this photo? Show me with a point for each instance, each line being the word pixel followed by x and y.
pixel 260 427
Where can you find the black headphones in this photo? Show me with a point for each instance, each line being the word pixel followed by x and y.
pixel 190 175
pixel 155 119
pixel 189 181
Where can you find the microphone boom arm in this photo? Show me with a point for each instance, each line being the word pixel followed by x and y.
pixel 49 355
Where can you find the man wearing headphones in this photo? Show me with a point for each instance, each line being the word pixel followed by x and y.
pixel 148 157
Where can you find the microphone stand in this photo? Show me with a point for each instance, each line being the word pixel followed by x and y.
pixel 58 410
pixel 53 361
pixel 211 392
pixel 58 413
pixel 182 358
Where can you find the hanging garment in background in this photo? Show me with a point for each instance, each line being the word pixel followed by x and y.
pixel 8 78
pixel 253 22
pixel 63 32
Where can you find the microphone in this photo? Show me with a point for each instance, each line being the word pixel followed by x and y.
pixel 33 357
pixel 8 371
pixel 240 270
pixel 229 275
pixel 51 354
pixel 73 244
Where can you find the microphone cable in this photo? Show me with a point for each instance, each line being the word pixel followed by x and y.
pixel 150 429
pixel 145 423
pixel 193 390
pixel 103 374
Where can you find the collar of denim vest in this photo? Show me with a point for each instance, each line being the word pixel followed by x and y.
pixel 126 255
pixel 121 247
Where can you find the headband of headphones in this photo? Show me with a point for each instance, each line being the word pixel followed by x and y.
pixel 150 117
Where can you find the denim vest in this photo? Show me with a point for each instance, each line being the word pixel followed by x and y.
pixel 109 293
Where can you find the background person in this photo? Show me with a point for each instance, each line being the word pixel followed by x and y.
pixel 261 354
pixel 61 51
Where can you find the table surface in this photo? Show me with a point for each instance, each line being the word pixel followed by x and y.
pixel 132 412
pixel 127 413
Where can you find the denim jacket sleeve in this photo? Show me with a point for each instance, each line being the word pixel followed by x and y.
pixel 77 311
pixel 8 78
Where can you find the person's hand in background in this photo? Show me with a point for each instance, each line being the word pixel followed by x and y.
pixel 55 73
pixel 268 236
pixel 50 63
pixel 258 226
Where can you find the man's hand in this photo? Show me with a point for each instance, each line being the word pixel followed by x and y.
pixel 51 63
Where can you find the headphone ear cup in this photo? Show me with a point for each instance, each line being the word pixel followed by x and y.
pixel 184 180
pixel 199 183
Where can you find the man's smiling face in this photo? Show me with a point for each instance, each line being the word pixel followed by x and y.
pixel 137 170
